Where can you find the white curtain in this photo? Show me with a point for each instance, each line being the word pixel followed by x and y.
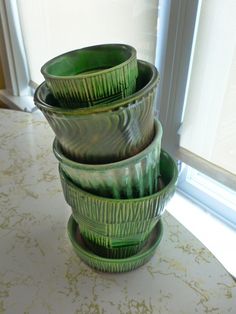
pixel 53 27
pixel 209 125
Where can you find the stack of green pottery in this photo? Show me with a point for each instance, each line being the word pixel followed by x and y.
pixel 99 101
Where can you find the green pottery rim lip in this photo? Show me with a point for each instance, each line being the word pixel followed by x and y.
pixel 113 165
pixel 116 105
pixel 72 235
pixel 128 48
pixel 126 200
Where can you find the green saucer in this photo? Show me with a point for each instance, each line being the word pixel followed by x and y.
pixel 109 264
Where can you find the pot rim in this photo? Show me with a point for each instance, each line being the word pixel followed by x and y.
pixel 170 184
pixel 132 55
pixel 113 165
pixel 116 105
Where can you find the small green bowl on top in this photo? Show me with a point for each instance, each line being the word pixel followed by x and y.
pixel 92 75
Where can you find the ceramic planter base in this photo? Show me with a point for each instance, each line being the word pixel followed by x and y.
pixel 111 264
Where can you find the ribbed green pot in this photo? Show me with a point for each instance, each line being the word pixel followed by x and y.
pixel 114 265
pixel 134 177
pixel 110 211
pixel 92 75
pixel 104 133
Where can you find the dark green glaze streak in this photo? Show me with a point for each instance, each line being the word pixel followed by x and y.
pixel 110 211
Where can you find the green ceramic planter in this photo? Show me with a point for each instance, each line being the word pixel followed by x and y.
pixel 112 211
pixel 133 177
pixel 92 75
pixel 111 264
pixel 105 133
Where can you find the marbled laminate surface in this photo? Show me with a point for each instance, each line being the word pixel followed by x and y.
pixel 40 273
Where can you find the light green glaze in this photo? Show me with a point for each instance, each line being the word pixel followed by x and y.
pixel 105 133
pixel 110 211
pixel 133 177
pixel 92 75
pixel 110 264
pixel 112 230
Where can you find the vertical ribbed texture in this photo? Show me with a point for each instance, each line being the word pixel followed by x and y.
pixel 119 211
pixel 112 267
pixel 102 87
pixel 115 241
pixel 117 252
pixel 107 210
pixel 124 229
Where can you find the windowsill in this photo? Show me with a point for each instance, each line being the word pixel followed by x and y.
pixel 218 237
pixel 23 103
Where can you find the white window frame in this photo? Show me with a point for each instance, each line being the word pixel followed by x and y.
pixel 179 22
pixel 18 94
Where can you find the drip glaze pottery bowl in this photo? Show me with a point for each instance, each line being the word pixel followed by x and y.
pixel 113 265
pixel 134 177
pixel 104 133
pixel 109 211
pixel 92 75
pixel 120 222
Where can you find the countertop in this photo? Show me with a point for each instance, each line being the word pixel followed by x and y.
pixel 39 271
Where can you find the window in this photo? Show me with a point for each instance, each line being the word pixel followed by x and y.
pixel 197 100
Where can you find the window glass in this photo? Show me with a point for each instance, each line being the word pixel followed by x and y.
pixel 209 125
